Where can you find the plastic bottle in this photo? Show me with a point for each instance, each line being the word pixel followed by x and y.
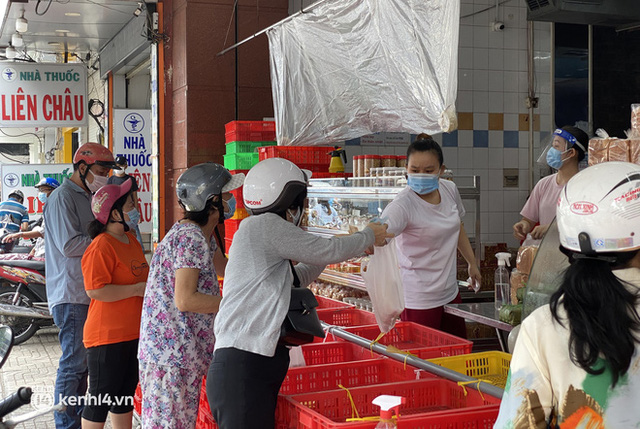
pixel 502 282
pixel 388 404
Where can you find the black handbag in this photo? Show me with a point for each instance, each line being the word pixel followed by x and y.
pixel 301 323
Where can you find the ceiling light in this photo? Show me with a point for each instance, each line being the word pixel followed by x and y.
pixel 72 14
pixel 62 31
pixel 16 40
pixel 22 24
pixel 54 43
pixel 10 52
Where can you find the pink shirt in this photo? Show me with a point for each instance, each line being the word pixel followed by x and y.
pixel 427 243
pixel 543 201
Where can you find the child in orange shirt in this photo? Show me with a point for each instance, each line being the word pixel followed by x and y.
pixel 115 273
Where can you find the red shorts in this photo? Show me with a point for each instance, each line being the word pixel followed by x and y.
pixel 436 318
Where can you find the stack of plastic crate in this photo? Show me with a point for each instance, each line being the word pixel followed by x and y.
pixel 243 138
pixel 314 158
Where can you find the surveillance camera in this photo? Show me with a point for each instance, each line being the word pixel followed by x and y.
pixel 497 26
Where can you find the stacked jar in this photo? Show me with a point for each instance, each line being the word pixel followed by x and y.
pixel 370 161
pixel 401 161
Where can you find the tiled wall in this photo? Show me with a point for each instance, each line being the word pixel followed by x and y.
pixel 493 119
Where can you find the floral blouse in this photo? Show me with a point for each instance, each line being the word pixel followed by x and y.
pixel 168 336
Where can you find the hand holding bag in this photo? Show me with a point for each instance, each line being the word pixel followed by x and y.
pixel 383 280
pixel 301 323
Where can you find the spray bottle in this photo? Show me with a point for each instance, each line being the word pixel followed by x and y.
pixel 388 404
pixel 502 282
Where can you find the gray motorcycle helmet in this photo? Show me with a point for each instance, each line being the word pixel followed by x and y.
pixel 203 181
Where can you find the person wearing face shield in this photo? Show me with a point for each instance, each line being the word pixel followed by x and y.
pixel 576 363
pixel 564 153
pixel 67 215
pixel 426 218
pixel 119 177
pixel 182 299
pixel 249 365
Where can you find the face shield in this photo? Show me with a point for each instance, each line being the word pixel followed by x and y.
pixel 557 149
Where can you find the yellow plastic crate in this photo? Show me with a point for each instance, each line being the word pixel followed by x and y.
pixel 487 366
pixel 240 213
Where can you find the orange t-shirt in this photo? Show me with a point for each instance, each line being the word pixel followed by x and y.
pixel 110 261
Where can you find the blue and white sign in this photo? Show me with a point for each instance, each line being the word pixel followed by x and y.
pixel 132 139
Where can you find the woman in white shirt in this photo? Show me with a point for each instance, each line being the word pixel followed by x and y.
pixel 576 362
pixel 426 218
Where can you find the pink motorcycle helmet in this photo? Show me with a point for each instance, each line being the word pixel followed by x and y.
pixel 104 199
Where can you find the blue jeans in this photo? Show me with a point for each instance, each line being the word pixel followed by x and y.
pixel 71 379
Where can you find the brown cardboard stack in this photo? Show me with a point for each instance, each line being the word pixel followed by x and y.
pixel 604 148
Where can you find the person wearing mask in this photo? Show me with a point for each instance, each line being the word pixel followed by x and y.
pixel 119 177
pixel 576 361
pixel 249 364
pixel 45 187
pixel 426 218
pixel 14 216
pixel 115 273
pixel 567 149
pixel 182 298
pixel 67 215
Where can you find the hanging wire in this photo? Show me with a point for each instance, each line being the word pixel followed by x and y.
pixel 45 11
pixel 485 9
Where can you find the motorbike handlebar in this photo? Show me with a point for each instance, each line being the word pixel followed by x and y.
pixel 15 401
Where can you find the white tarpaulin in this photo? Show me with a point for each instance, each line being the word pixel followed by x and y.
pixel 349 68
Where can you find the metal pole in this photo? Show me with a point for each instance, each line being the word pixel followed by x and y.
pixel 438 370
pixel 290 17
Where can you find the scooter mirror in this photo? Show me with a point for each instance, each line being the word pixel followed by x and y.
pixel 6 343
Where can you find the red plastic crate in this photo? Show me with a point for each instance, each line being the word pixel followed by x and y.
pixel 316 378
pixel 314 158
pixel 205 419
pixel 432 403
pixel 250 131
pixel 250 126
pixel 346 316
pixel 227 244
pixel 231 227
pixel 331 303
pixel 335 352
pixel 426 343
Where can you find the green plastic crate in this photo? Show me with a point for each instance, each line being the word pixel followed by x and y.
pixel 246 147
pixel 241 161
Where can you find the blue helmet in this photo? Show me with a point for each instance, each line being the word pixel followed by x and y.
pixel 48 181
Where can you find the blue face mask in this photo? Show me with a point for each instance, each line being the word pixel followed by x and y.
pixel 42 196
pixel 231 202
pixel 554 158
pixel 134 218
pixel 423 184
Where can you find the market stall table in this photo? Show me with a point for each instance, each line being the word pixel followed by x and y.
pixel 485 313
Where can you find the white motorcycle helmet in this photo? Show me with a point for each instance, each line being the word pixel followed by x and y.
pixel 275 185
pixel 599 209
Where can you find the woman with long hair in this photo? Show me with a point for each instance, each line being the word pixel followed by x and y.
pixel 576 362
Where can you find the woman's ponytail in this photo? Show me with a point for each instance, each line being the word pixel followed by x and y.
pixel 601 312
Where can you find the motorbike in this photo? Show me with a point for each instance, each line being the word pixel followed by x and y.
pixel 23 395
pixel 23 297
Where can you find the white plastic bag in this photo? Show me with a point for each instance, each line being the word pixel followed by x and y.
pixel 382 278
pixel 296 357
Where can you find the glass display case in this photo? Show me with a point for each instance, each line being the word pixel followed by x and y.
pixel 336 205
